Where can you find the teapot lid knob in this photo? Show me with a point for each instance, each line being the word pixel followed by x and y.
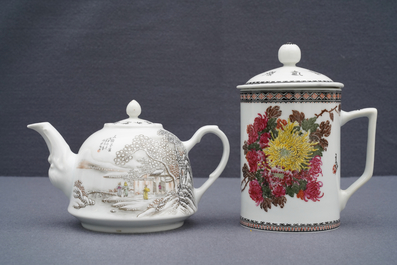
pixel 134 109
pixel 289 54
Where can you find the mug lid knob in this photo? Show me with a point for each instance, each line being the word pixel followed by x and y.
pixel 289 54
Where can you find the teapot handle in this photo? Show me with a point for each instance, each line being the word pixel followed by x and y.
pixel 225 156
pixel 371 113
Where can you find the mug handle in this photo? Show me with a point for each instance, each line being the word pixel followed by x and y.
pixel 371 113
pixel 222 164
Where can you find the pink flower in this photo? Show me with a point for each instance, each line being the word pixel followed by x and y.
pixel 262 164
pixel 253 159
pixel 315 166
pixel 313 192
pixel 255 192
pixel 266 174
pixel 288 180
pixel 281 177
pixel 297 174
pixel 278 191
pixel 305 175
pixel 274 177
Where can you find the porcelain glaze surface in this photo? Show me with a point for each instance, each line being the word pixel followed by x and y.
pixel 130 177
pixel 290 158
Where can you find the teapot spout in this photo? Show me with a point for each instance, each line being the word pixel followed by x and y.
pixel 62 160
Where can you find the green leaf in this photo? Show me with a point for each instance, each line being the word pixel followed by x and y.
pixel 295 188
pixel 318 151
pixel 274 134
pixel 267 193
pixel 254 146
pixel 271 125
pixel 259 177
pixel 302 185
pixel 310 124
pixel 289 191
pixel 292 190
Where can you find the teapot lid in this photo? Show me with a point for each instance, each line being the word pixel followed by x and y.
pixel 289 75
pixel 133 110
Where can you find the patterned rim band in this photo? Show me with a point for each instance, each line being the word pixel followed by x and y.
pixel 324 226
pixel 290 96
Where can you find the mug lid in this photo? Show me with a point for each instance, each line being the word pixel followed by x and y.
pixel 289 75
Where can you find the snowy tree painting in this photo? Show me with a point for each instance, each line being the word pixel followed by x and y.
pixel 80 194
pixel 159 154
pixel 160 166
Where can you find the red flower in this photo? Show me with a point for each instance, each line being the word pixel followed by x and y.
pixel 255 192
pixel 278 191
pixel 260 122
pixel 264 140
pixel 252 135
pixel 253 159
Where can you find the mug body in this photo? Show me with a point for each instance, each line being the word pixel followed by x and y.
pixel 290 158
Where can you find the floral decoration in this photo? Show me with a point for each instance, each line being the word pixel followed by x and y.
pixel 285 157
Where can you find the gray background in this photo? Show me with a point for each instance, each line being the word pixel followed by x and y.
pixel 77 64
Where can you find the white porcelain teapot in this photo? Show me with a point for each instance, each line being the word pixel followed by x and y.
pixel 131 176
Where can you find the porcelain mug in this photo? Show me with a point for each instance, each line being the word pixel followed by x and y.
pixel 291 149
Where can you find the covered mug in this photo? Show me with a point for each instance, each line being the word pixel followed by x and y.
pixel 291 121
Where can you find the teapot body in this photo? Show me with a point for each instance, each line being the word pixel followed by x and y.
pixel 124 176
pixel 290 155
pixel 130 177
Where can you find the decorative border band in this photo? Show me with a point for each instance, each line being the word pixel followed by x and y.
pixel 290 96
pixel 324 226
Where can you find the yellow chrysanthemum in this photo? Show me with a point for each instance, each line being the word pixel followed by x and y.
pixel 290 149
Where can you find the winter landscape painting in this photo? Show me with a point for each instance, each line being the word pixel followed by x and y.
pixel 154 179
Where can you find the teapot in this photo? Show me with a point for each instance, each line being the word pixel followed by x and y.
pixel 291 121
pixel 132 176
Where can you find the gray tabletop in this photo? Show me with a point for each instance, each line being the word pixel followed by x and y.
pixel 37 229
